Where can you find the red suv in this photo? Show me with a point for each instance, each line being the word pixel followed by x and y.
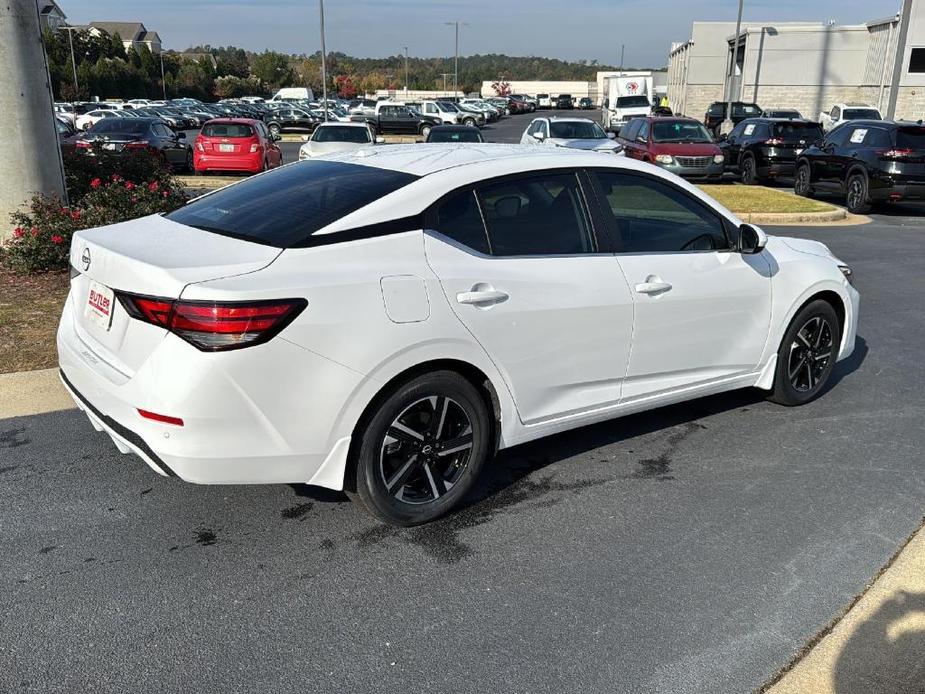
pixel 680 145
pixel 235 144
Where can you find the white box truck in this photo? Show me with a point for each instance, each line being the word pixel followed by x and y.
pixel 625 97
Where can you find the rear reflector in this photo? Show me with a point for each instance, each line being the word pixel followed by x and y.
pixel 214 327
pixel 163 418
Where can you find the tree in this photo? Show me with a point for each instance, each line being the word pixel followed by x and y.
pixel 273 69
pixel 501 87
pixel 116 47
pixel 345 86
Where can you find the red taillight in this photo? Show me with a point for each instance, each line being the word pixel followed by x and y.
pixel 774 142
pixel 895 153
pixel 139 144
pixel 82 145
pixel 163 418
pixel 212 326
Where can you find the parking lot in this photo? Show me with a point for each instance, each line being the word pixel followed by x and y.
pixel 696 548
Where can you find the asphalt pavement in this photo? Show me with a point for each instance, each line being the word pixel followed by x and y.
pixel 695 548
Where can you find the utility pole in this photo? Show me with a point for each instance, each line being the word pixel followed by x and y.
pixel 727 126
pixel 456 61
pixel 163 81
pixel 324 68
pixel 622 53
pixel 445 75
pixel 30 159
pixel 70 38
pixel 900 57
pixel 406 69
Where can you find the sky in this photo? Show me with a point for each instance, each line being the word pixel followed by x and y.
pixel 567 29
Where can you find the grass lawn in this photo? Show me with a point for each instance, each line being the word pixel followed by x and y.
pixel 760 199
pixel 30 307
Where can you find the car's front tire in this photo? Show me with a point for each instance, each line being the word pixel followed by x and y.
pixel 807 354
pixel 421 449
pixel 857 194
pixel 749 171
pixel 802 185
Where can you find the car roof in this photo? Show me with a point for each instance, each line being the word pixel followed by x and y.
pixel 567 119
pixel 348 124
pixel 452 128
pixel 239 121
pixel 425 159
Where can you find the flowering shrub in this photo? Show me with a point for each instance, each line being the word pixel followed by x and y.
pixel 41 239
pixel 82 168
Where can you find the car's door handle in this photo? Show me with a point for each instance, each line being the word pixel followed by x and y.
pixel 652 285
pixel 482 295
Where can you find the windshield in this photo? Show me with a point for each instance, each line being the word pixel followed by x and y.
pixel 679 131
pixel 811 132
pixel 632 101
pixel 576 130
pixel 121 125
pixel 745 110
pixel 447 106
pixel 861 114
pixel 341 133
pixel 227 130
pixel 468 135
pixel 285 207
pixel 910 138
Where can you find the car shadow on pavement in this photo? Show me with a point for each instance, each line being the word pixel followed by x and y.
pixel 886 653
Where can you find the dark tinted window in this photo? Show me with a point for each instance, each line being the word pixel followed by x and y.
pixel 341 133
pixel 227 130
pixel 861 114
pixel 798 131
pixel 537 215
pixel 746 110
pixel 467 135
pixel 910 138
pixel 632 101
pixel 287 205
pixel 717 109
pixel 576 130
pixel 838 136
pixel 864 136
pixel 917 60
pixel 458 218
pixel 643 134
pixel 128 126
pixel 653 217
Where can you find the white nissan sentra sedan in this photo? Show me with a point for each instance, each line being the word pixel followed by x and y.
pixel 383 321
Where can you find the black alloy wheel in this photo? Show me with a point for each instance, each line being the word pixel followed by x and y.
pixel 422 449
pixel 856 194
pixel 749 171
pixel 807 354
pixel 801 181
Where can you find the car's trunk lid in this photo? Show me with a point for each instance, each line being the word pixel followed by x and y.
pixel 151 256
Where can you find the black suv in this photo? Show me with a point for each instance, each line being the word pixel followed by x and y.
pixel 716 114
pixel 283 119
pixel 564 102
pixel 867 161
pixel 761 148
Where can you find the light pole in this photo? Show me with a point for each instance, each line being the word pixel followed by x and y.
pixel 70 38
pixel 456 61
pixel 445 75
pixel 406 69
pixel 324 67
pixel 727 126
pixel 622 53
pixel 163 81
pixel 900 57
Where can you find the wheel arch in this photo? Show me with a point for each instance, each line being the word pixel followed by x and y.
pixel 472 373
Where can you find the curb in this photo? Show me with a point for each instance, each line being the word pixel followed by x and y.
pixel 27 393
pixel 867 648
pixel 834 215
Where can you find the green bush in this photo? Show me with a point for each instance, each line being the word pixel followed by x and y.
pixel 41 240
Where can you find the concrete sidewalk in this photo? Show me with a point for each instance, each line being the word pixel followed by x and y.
pixel 32 392
pixel 878 647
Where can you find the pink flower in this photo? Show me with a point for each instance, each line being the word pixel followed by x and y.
pixel 34 231
pixel 153 186
pixel 129 185
pixel 95 183
pixel 18 232
pixel 165 193
pixel 75 214
pixel 57 240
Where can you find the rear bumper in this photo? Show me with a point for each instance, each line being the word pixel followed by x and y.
pixel 272 416
pixel 778 167
pixel 228 162
pixel 891 188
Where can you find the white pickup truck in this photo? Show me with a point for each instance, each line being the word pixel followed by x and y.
pixel 840 113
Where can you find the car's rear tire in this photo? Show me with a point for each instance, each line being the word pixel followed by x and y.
pixel 856 194
pixel 425 131
pixel 802 185
pixel 807 354
pixel 749 171
pixel 421 449
pixel 274 129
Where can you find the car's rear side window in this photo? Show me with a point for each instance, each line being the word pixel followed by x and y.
pixel 285 207
pixel 910 138
pixel 458 218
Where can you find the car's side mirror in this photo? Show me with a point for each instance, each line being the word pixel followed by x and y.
pixel 611 136
pixel 751 239
pixel 380 140
pixel 539 135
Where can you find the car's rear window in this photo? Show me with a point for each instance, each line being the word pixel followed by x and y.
pixel 910 138
pixel 227 130
pixel 341 133
pixel 121 125
pixel 798 131
pixel 284 207
pixel 467 135
pixel 861 114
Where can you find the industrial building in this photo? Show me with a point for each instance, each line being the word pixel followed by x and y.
pixel 579 89
pixel 807 66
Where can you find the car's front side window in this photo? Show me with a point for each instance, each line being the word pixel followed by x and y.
pixel 654 217
pixel 541 214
